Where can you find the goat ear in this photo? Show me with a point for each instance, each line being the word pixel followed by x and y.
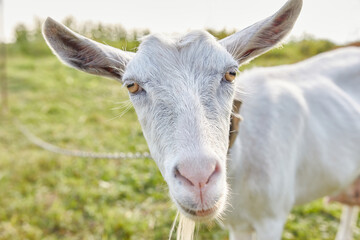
pixel 264 35
pixel 85 54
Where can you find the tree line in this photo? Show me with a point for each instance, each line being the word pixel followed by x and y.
pixel 29 41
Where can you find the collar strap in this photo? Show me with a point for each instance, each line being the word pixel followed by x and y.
pixel 234 122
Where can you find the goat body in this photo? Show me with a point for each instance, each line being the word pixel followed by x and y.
pixel 299 140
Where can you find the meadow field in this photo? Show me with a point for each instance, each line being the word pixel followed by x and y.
pixel 48 196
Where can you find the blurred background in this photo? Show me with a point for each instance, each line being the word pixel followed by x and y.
pixel 49 196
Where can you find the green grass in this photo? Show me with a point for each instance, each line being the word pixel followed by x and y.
pixel 49 196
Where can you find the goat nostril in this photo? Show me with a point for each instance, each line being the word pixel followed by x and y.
pixel 216 170
pixel 177 174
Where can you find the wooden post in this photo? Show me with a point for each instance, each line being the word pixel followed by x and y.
pixel 3 80
pixel 348 222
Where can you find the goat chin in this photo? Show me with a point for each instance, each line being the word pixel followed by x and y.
pixel 185 230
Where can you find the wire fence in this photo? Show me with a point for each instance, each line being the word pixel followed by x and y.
pixel 76 153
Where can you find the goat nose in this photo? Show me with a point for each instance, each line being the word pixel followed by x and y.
pixel 196 176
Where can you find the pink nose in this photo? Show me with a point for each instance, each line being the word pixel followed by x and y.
pixel 190 175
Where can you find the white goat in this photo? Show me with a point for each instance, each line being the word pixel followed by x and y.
pixel 300 134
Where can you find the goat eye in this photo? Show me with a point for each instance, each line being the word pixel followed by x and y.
pixel 133 87
pixel 230 76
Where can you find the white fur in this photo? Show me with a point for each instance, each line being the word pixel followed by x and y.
pixel 298 141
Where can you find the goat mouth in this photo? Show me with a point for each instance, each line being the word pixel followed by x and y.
pixel 205 213
pixel 200 214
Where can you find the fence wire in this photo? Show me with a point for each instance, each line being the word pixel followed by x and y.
pixel 77 153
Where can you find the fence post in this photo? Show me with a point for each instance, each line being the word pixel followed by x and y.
pixel 3 80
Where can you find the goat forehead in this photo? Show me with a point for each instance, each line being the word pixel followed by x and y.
pixel 195 53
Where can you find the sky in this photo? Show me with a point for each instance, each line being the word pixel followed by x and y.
pixel 335 20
